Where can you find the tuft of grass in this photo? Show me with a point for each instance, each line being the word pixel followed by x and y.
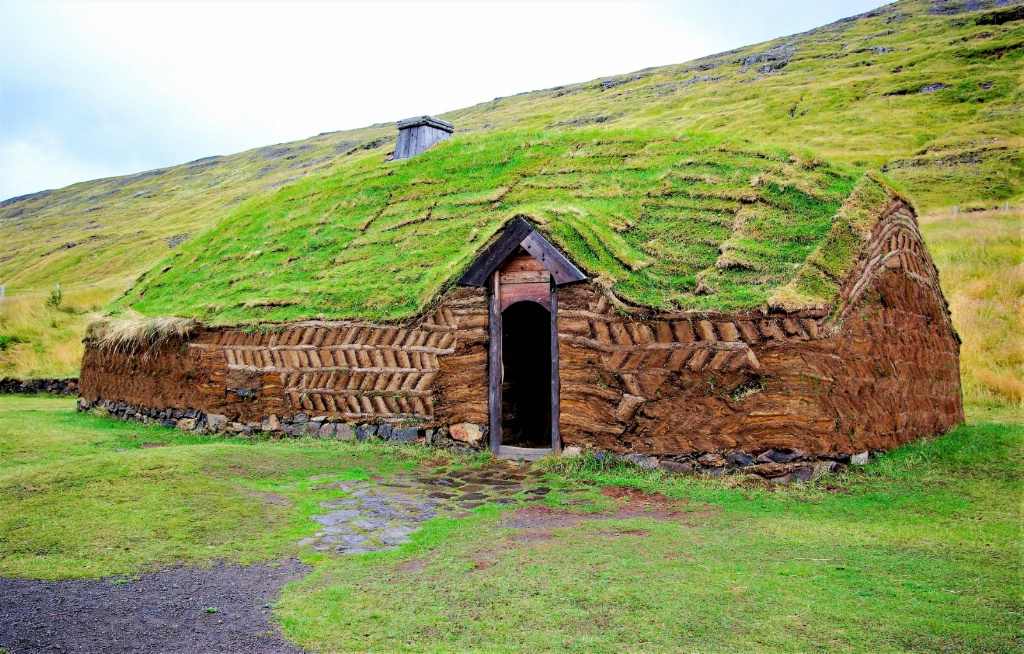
pixel 133 333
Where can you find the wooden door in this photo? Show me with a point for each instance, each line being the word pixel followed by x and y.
pixel 522 279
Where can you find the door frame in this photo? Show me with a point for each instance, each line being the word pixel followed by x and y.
pixel 496 366
pixel 484 272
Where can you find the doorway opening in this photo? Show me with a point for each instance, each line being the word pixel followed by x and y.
pixel 526 376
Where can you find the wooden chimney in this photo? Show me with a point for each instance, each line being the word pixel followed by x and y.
pixel 415 135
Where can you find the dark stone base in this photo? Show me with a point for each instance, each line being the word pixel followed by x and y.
pixel 67 386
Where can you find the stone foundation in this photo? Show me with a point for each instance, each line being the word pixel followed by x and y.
pixel 777 466
pixel 68 386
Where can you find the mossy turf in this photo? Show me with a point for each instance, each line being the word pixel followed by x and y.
pixel 917 552
pixel 691 221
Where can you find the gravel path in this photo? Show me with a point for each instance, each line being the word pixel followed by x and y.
pixel 158 612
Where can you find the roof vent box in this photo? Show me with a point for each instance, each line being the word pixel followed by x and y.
pixel 415 135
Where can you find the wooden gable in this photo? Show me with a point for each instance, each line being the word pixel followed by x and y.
pixel 520 233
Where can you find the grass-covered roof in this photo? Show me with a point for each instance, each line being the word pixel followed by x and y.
pixel 667 221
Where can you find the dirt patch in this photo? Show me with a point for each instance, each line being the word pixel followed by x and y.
pixel 532 535
pixel 414 565
pixel 625 532
pixel 158 612
pixel 272 498
pixel 534 517
pixel 632 503
pixel 146 446
pixel 635 503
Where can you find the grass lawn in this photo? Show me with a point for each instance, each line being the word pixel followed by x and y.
pixel 919 551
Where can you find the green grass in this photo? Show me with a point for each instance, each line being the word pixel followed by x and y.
pixel 646 212
pixel 919 551
pixel 82 499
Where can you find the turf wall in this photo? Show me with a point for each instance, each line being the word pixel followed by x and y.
pixel 878 370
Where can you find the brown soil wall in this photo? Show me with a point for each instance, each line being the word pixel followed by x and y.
pixel 879 370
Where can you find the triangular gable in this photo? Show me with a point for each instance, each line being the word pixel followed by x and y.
pixel 521 233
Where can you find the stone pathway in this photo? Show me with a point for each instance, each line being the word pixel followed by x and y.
pixel 380 516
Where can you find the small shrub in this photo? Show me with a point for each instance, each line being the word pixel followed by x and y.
pixel 55 299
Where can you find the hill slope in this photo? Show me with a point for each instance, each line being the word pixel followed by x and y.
pixel 918 88
pixel 929 90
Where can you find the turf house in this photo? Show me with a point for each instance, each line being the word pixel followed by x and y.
pixel 633 292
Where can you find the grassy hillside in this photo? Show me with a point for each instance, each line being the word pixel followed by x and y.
pixel 858 91
pixel 921 88
pixel 666 221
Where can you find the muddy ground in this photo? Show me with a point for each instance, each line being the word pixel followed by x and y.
pixel 169 611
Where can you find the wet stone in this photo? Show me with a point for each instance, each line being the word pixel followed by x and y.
pixel 338 529
pixel 355 550
pixel 334 517
pixel 370 525
pixel 333 504
pixel 383 515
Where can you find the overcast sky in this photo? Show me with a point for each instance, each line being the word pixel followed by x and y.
pixel 94 89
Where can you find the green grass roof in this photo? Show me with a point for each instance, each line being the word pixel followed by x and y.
pixel 667 221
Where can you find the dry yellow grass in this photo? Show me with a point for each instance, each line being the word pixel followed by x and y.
pixel 134 332
pixel 980 256
pixel 37 340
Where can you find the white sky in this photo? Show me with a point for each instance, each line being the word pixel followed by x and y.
pixel 93 89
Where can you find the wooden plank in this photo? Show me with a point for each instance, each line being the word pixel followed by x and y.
pixel 522 261
pixel 537 292
pixel 525 277
pixel 556 384
pixel 522 453
pixel 494 367
pixel 561 268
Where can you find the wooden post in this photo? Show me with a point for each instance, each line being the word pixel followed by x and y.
pixel 495 365
pixel 556 437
